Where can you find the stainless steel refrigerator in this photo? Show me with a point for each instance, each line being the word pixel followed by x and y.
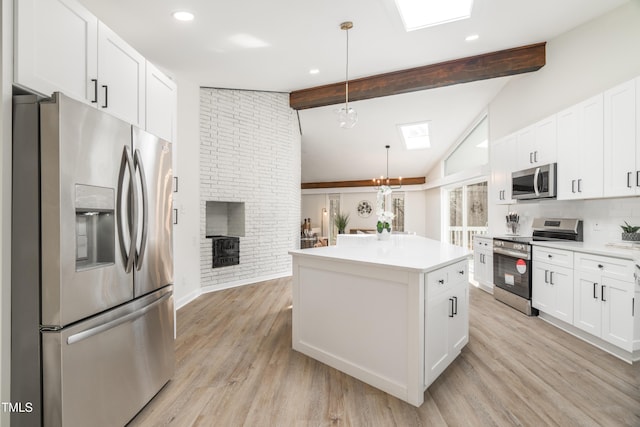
pixel 92 271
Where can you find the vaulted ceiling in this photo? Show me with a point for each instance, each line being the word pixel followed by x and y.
pixel 271 46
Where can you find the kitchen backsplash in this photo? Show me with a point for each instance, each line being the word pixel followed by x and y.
pixel 601 218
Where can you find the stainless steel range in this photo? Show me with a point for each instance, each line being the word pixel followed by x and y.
pixel 512 260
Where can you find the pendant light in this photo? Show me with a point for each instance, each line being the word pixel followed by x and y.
pixel 347 116
pixel 386 181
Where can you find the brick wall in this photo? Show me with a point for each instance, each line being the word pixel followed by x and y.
pixel 250 152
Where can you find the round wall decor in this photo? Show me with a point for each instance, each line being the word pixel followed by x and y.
pixel 364 209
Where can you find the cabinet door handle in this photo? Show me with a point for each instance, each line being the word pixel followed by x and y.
pixel 573 185
pixel 595 288
pixel 535 157
pixel 579 186
pixel 451 307
pixel 106 96
pixel 531 157
pixel 633 307
pixel 175 216
pixel 602 293
pixel 546 276
pixel 637 178
pixel 551 277
pixel 455 305
pixel 629 179
pixel 95 91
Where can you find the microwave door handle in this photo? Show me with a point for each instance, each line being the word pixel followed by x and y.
pixel 536 177
pixel 137 161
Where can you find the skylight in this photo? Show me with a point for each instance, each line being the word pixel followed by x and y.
pixel 415 135
pixel 417 14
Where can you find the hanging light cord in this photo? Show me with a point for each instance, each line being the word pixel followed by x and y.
pixel 346 79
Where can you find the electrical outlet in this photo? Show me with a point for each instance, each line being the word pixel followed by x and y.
pixel 596 226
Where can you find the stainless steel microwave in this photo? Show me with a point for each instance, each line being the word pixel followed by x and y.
pixel 534 183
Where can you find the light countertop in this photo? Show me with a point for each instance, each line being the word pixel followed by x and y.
pixel 618 250
pixel 402 251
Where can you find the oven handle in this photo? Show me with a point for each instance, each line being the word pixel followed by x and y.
pixel 513 254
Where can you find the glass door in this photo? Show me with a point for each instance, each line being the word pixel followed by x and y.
pixel 467 213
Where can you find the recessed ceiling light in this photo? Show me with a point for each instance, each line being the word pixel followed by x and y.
pixel 314 71
pixel 418 14
pixel 472 37
pixel 415 135
pixel 183 15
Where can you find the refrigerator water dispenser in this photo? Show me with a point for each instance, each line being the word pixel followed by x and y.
pixel 95 227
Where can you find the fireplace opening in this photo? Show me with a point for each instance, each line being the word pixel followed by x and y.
pixel 226 250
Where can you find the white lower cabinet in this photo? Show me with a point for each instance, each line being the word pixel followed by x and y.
pixel 483 261
pixel 447 318
pixel 604 299
pixel 552 282
pixel 553 290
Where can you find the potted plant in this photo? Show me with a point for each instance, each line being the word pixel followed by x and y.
pixel 385 217
pixel 341 220
pixel 629 232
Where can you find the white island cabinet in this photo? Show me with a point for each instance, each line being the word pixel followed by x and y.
pixel 391 313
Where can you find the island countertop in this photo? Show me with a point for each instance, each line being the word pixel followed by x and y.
pixel 402 251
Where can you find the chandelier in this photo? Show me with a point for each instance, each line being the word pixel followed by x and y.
pixel 347 116
pixel 385 180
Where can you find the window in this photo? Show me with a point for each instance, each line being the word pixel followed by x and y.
pixel 397 203
pixel 472 152
pixel 334 209
pixel 467 216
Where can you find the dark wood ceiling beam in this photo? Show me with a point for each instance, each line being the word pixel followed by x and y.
pixel 524 59
pixel 361 183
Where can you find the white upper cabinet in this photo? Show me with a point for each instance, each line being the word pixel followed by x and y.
pixel 537 144
pixel 622 140
pixel 121 77
pixel 61 47
pixel 55 48
pixel 580 149
pixel 502 161
pixel 161 103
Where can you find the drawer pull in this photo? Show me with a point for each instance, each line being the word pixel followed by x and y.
pixel 441 281
pixel 461 272
pixel 550 256
pixel 600 266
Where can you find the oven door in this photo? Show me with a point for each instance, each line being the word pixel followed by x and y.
pixel 512 273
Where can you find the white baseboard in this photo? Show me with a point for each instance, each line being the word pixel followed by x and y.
pixel 228 285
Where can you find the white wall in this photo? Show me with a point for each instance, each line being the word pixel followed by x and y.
pixel 580 63
pixel 415 206
pixel 186 234
pixel 250 152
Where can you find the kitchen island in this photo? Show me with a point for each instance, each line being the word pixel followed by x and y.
pixel 393 314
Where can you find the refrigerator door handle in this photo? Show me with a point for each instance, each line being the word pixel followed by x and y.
pixel 137 161
pixel 127 255
pixel 116 322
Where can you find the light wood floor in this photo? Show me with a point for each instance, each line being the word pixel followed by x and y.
pixel 235 367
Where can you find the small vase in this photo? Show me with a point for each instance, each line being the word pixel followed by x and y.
pixel 631 237
pixel 384 234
